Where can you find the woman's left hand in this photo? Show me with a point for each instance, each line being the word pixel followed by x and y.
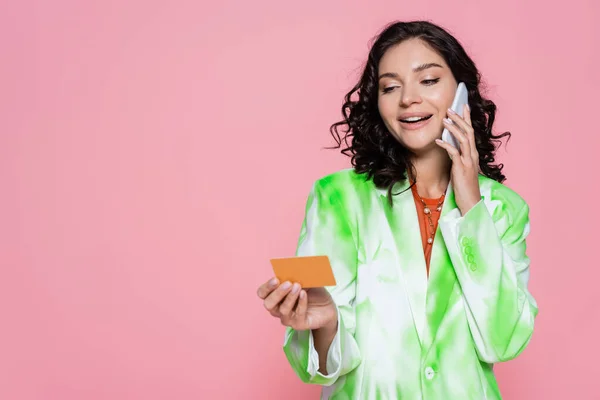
pixel 465 161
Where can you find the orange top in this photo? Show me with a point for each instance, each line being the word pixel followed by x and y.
pixel 427 230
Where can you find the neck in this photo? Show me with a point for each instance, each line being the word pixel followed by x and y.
pixel 433 173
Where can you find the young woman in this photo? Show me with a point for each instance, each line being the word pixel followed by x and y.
pixel 427 245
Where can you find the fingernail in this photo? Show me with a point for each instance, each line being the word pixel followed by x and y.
pixel 451 111
pixel 448 121
pixel 273 282
pixel 286 285
pixel 439 140
pixel 295 288
pixel 468 107
pixel 302 294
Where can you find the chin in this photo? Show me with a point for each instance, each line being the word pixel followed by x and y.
pixel 418 142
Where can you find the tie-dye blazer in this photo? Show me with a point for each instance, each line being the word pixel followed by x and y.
pixel 402 335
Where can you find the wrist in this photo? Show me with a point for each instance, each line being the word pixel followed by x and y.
pixel 330 328
pixel 469 205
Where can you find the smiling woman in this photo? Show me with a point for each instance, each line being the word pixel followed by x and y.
pixel 426 244
pixel 409 61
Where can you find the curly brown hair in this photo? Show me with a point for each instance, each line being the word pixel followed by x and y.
pixel 373 150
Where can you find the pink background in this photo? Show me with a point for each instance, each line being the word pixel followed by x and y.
pixel 154 156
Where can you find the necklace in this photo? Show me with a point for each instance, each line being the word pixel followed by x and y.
pixel 427 212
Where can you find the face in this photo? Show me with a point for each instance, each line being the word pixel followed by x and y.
pixel 416 88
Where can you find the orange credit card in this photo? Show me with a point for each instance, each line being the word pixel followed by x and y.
pixel 308 271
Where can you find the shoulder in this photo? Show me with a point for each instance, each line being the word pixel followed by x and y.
pixel 344 192
pixel 343 183
pixel 500 199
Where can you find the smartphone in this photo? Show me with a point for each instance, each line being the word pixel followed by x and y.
pixel 460 99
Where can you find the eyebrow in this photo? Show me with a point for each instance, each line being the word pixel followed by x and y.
pixel 420 68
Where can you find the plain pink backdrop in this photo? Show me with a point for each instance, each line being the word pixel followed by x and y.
pixel 154 155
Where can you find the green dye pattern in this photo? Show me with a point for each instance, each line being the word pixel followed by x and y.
pixel 402 335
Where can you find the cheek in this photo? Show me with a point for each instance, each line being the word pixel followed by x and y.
pixel 386 109
pixel 442 99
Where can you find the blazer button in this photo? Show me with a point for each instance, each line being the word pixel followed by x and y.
pixel 470 259
pixel 473 267
pixel 468 250
pixel 429 373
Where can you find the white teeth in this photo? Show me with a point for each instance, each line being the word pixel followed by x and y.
pixel 413 119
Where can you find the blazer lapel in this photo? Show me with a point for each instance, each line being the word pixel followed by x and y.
pixel 404 227
pixel 442 278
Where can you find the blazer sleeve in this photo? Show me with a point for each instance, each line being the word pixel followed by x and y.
pixel 488 253
pixel 325 231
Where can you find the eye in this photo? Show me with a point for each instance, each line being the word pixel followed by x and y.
pixel 429 82
pixel 389 89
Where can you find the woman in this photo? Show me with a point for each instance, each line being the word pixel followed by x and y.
pixel 417 312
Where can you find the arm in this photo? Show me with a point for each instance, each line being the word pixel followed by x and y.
pixel 489 257
pixel 323 337
pixel 325 231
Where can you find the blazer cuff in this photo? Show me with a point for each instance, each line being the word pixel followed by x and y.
pixel 469 236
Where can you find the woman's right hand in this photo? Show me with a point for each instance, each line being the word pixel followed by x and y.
pixel 315 307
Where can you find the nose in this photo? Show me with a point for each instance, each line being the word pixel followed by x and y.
pixel 410 95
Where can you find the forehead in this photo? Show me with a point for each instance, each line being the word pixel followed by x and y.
pixel 409 54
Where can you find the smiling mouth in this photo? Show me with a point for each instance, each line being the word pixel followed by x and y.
pixel 414 120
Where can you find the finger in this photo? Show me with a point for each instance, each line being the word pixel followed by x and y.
pixel 460 121
pixel 266 288
pixel 452 151
pixel 273 299
pixel 471 132
pixel 275 312
pixel 465 147
pixel 298 319
pixel 464 123
pixel 467 115
pixel 290 301
pixel 302 306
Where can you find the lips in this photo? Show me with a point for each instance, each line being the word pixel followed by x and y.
pixel 415 118
pixel 414 121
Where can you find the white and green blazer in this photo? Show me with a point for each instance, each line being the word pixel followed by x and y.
pixel 402 335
